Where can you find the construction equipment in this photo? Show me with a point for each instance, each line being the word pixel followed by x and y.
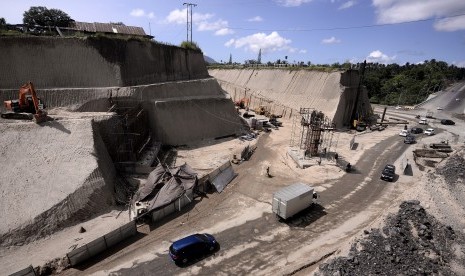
pixel 260 110
pixel 27 107
pixel 242 103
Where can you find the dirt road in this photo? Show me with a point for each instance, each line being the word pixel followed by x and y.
pixel 262 244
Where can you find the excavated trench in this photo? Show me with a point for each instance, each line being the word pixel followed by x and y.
pixel 110 100
pixel 70 169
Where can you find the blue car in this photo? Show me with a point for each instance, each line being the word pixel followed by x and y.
pixel 192 247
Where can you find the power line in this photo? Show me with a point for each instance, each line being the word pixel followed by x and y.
pixel 189 22
pixel 345 28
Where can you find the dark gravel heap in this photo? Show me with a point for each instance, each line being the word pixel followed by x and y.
pixel 453 170
pixel 412 243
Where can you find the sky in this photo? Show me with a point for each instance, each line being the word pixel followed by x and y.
pixel 316 31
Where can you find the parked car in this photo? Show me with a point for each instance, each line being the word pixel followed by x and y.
pixel 409 139
pixel 192 247
pixel 423 121
pixel 416 130
pixel 403 133
pixel 447 122
pixel 388 173
pixel 439 108
pixel 429 131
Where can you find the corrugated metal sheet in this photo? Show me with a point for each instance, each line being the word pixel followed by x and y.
pixel 292 191
pixel 107 28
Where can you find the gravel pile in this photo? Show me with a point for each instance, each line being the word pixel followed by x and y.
pixel 412 243
pixel 453 170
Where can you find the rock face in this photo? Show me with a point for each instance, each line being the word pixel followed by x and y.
pixel 333 93
pixel 412 243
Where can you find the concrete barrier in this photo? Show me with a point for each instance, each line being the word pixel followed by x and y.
pixel 28 271
pixel 101 244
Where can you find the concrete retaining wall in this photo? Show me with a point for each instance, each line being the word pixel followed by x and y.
pixel 182 122
pixel 93 62
pixel 332 93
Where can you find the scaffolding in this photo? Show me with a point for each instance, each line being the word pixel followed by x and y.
pixel 312 132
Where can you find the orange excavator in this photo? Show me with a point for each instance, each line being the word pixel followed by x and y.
pixel 27 107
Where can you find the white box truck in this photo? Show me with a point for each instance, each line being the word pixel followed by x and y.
pixel 292 199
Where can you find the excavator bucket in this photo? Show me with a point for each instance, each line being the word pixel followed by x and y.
pixel 40 117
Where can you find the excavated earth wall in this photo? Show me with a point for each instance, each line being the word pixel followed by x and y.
pixel 60 172
pixel 332 93
pixel 85 74
pixel 94 62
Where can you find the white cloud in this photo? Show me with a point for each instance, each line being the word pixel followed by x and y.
pixel 212 26
pixel 202 21
pixel 180 16
pixel 379 57
pixel 268 43
pixel 224 31
pixel 141 13
pixel 347 5
pixel 331 40
pixel 450 24
pixel 302 51
pixel 459 63
pixel 397 11
pixel 292 3
pixel 255 19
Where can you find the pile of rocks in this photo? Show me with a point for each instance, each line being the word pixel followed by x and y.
pixel 411 243
pixel 453 169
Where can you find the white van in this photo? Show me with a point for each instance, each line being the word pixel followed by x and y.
pixel 423 121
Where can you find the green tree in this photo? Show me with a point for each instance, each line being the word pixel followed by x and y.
pixel 41 16
pixel 2 23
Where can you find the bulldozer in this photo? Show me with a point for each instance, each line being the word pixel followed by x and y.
pixel 27 107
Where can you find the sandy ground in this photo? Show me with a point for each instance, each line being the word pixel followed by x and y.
pixel 247 204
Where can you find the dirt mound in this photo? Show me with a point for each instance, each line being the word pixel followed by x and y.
pixel 453 170
pixel 53 175
pixel 412 243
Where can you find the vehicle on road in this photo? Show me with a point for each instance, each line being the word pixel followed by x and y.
pixel 409 139
pixel 429 131
pixel 292 199
pixel 416 130
pixel 439 108
pixel 403 133
pixel 192 247
pixel 423 121
pixel 388 173
pixel 447 122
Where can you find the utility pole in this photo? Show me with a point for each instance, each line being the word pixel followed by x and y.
pixel 189 22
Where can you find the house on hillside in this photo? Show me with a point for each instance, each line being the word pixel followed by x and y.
pixel 107 28
pixel 85 28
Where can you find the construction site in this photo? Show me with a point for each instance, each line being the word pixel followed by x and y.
pixel 111 149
